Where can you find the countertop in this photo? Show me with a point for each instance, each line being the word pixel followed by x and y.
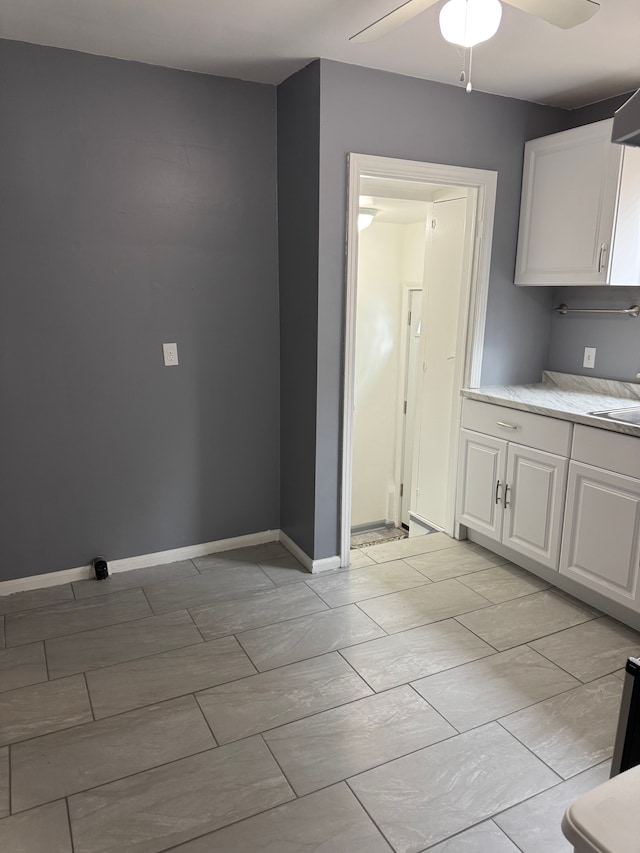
pixel 567 397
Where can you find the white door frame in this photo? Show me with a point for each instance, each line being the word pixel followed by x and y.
pixel 484 182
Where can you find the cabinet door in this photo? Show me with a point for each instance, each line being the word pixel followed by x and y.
pixel 569 192
pixel 481 482
pixel 534 503
pixel 601 537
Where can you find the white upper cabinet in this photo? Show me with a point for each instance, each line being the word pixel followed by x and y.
pixel 580 210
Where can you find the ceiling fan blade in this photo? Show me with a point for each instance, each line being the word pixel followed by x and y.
pixel 394 19
pixel 561 13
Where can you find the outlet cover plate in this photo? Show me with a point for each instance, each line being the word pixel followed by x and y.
pixel 170 352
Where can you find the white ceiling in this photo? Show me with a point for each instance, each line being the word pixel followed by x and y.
pixel 268 41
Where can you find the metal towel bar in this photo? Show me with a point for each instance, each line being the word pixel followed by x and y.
pixel 632 311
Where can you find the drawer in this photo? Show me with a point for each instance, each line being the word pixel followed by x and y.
pixel 602 448
pixel 537 431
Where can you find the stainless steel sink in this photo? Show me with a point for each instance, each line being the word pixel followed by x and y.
pixel 624 416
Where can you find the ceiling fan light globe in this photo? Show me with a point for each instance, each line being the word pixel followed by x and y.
pixel 366 215
pixel 469 22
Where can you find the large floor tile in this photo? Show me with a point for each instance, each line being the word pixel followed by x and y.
pixel 413 607
pixel 572 731
pixel 502 583
pixel 395 660
pixel 273 698
pixel 358 584
pixel 591 650
pixel 43 708
pixel 330 821
pixel 256 610
pixel 54 766
pixel 459 559
pixel 401 548
pixel 118 643
pixel 425 797
pixel 21 666
pixel 229 582
pixel 298 639
pixel 70 617
pixel 43 830
pixel 484 838
pixel 144 681
pixel 484 690
pixel 134 578
pixel 535 824
pixel 4 781
pixel 336 744
pixel 357 560
pixel 285 570
pixel 251 555
pixel 523 619
pixel 169 805
pixel 35 598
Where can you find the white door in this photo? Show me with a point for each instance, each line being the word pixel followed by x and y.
pixel 481 471
pixel 440 338
pixel 534 503
pixel 601 537
pixel 410 398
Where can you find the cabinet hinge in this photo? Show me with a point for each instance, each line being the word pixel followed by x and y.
pixel 401 490
pixel 433 224
pixel 404 408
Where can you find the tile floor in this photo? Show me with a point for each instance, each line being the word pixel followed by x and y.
pixel 432 697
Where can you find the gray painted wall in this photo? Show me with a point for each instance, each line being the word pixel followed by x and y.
pixel 138 206
pixel 298 212
pixel 374 112
pixel 617 339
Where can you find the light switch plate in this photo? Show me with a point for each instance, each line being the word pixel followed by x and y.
pixel 589 357
pixel 170 354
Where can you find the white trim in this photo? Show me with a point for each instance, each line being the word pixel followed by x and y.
pixel 313 566
pixel 144 560
pixel 485 183
pixel 408 287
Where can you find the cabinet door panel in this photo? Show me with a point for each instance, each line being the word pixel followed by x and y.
pixel 481 482
pixel 570 184
pixel 601 540
pixel 535 503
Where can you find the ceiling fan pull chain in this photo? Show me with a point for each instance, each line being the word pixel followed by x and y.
pixel 469 86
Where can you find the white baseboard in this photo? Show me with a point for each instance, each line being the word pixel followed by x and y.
pixel 313 566
pixel 129 563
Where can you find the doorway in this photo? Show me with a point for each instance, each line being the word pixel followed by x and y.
pixel 435 351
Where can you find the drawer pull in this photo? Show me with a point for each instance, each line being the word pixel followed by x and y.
pixel 498 487
pixel 506 425
pixel 506 496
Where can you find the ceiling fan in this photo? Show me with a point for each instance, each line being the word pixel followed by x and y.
pixel 562 13
pixel 469 22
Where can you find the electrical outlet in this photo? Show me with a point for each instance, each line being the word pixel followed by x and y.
pixel 170 354
pixel 589 357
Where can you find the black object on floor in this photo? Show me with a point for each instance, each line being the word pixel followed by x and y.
pixel 100 568
pixel 626 752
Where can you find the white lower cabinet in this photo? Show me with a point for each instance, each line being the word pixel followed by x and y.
pixel 513 494
pixel 601 536
pixel 481 483
pixel 534 503
pixel 579 515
